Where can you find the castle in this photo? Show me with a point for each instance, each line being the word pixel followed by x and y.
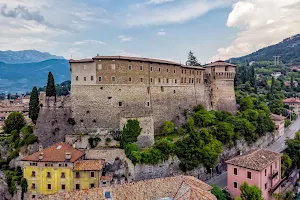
pixel 106 91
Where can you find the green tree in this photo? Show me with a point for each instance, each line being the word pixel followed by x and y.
pixel 253 78
pixel 34 105
pixel 218 192
pixel 250 192
pixel 131 131
pixel 224 132
pixel 286 164
pixel 14 121
pixel 246 103
pixel 204 118
pixel 168 128
pixel 192 60
pixel 276 106
pixel 272 86
pixel 292 83
pixel 50 88
pixel 24 187
pixel 293 149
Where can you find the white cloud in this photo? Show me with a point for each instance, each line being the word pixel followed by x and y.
pixel 179 12
pixel 84 42
pixel 122 52
pixel 124 38
pixel 159 1
pixel 261 23
pixel 161 32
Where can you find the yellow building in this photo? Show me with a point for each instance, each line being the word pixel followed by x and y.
pixel 51 170
pixel 87 174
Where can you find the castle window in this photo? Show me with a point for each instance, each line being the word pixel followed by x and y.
pixel 129 67
pixel 184 80
pixel 63 186
pixel 174 91
pixel 120 104
pixel 92 175
pixel 175 80
pixel 189 80
pixel 66 165
pixel 192 80
pixel 129 79
pixel 33 174
pixel 151 69
pixel 193 72
pixel 174 71
pixel 141 79
pixel 167 70
pixel 148 103
pixel 63 175
pixel 162 89
pixel 141 67
pixel 99 66
pixel 113 78
pixel 148 90
pixel 159 69
pixel 181 79
pixel 167 80
pixel 84 78
pixel 33 186
pixel 92 78
pixel 99 78
pixel 113 66
pixel 49 186
pixel 151 80
pixel 77 78
pixel 159 80
pixel 197 80
pixel 77 186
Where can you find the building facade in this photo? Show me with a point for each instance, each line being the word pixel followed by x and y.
pixel 279 123
pixel 58 168
pixel 294 105
pixel 258 167
pixel 106 90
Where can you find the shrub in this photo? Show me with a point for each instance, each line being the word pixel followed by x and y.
pixel 94 141
pixel 14 121
pixel 130 132
pixel 287 122
pixel 168 128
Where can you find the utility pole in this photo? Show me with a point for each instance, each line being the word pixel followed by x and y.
pixel 276 60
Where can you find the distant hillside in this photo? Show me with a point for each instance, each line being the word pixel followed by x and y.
pixel 288 50
pixel 22 77
pixel 26 56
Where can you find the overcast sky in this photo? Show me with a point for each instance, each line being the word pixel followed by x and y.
pixel 165 29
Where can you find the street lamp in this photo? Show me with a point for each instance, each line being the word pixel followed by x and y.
pixel 210 173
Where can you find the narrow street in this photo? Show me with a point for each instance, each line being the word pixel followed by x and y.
pixel 277 146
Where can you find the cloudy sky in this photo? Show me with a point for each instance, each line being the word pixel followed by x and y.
pixel 165 29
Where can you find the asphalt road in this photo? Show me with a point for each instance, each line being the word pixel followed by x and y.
pixel 277 146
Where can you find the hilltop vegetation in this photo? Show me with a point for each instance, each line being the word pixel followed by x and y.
pixel 288 50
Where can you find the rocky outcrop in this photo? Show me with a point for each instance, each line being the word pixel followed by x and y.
pixel 4 194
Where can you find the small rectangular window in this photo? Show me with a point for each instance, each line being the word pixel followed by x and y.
pixel 175 80
pixel 159 80
pixel 113 78
pixel 235 184
pixel 107 195
pixel 129 79
pixel 192 80
pixel 129 67
pixel 77 78
pixel 151 69
pixel 77 186
pixel 235 171
pixel 92 185
pixel 189 80
pixel 162 89
pixel 77 175
pixel 113 66
pixel 141 67
pixel 266 186
pixel 48 174
pixel 33 173
pixel 151 80
pixel 63 186
pixel 92 78
pixel 63 175
pixel 248 175
pixel 93 173
pixel 184 80
pixel 167 70
pixel 159 69
pixel 33 196
pixel 84 78
pixel 100 79
pixel 148 103
pixel 141 79
pixel 99 66
pixel 167 80
pixel 174 71
pixel 49 186
pixel 265 172
pixel 120 103
pixel 33 186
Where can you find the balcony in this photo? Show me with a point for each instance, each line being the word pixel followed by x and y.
pixel 274 174
pixel 274 188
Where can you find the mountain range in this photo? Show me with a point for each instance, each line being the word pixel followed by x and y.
pixel 288 50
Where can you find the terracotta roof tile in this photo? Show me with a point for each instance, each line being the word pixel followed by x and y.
pixel 56 153
pixel 257 159
pixel 106 178
pixel 219 63
pixel 89 165
pixel 291 100
pixel 277 117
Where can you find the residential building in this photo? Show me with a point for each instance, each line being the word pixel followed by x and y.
pixel 87 174
pixel 170 188
pixel 51 170
pixel 288 83
pixel 258 167
pixel 294 104
pixel 279 123
pixel 276 74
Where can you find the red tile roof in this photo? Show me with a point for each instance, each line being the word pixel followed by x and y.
pixel 291 100
pixel 89 165
pixel 277 117
pixel 257 159
pixel 87 60
pixel 219 63
pixel 106 178
pixel 56 153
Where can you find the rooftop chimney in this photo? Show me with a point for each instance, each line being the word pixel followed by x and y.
pixel 41 156
pixel 40 147
pixel 68 156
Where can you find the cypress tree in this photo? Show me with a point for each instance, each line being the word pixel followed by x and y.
pixel 292 83
pixel 34 105
pixel 50 89
pixel 272 86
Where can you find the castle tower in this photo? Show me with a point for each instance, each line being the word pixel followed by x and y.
pixel 221 76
